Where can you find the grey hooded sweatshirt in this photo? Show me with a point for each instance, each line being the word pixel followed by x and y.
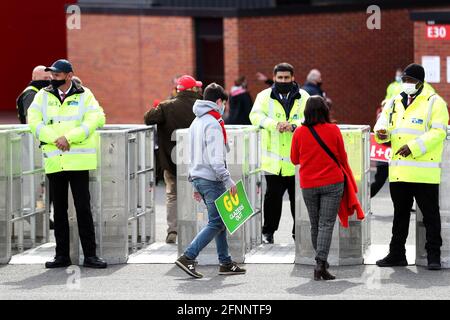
pixel 207 147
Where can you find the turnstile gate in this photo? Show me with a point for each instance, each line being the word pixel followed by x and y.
pixel 24 214
pixel 122 193
pixel 243 162
pixel 348 244
pixel 444 206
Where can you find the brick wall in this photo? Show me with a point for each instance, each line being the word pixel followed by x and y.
pixel 128 61
pixel 357 64
pixel 426 47
pixel 231 50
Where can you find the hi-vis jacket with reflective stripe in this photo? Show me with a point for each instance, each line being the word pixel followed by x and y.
pixel 276 146
pixel 76 118
pixel 423 127
pixel 30 88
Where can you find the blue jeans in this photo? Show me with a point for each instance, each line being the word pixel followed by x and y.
pixel 215 229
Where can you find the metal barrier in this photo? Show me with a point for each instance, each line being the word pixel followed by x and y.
pixel 243 162
pixel 348 245
pixel 444 205
pixel 24 212
pixel 122 193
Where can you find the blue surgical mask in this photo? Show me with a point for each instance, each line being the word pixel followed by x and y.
pixel 222 108
pixel 398 78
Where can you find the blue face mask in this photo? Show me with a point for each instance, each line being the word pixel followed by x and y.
pixel 222 108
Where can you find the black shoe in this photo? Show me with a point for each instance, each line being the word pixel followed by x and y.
pixel 321 272
pixel 94 262
pixel 434 265
pixel 188 266
pixel 58 262
pixel 268 238
pixel 434 262
pixel 392 261
pixel 231 268
pixel 171 237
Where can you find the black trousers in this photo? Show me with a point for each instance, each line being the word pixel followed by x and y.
pixel 59 187
pixel 427 197
pixel 380 178
pixel 273 201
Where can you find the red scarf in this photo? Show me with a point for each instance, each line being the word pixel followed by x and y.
pixel 218 117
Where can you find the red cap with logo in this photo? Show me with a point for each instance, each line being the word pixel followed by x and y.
pixel 187 82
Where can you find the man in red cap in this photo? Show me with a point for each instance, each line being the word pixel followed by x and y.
pixel 170 115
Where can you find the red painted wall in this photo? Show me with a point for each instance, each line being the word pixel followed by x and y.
pixel 31 33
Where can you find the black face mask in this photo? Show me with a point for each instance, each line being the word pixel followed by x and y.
pixel 57 83
pixel 41 83
pixel 284 87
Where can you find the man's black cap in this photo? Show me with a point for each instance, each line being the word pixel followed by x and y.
pixel 415 71
pixel 60 65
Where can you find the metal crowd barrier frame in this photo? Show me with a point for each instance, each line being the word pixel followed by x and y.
pixel 348 245
pixel 122 193
pixel 444 205
pixel 24 213
pixel 243 162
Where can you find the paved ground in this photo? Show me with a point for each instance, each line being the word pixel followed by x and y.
pixel 263 281
pixel 166 282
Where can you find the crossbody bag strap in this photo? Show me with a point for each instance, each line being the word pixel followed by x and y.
pixel 323 145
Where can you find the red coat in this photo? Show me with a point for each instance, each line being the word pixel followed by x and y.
pixel 318 169
pixel 349 202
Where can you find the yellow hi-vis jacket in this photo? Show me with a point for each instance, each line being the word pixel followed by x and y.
pixel 423 127
pixel 76 118
pixel 266 113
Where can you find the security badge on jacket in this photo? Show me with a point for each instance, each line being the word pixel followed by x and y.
pixel 399 115
pixel 416 121
pixel 56 108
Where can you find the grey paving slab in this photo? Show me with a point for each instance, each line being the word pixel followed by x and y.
pixel 139 280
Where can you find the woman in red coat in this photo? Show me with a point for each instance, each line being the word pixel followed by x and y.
pixel 321 178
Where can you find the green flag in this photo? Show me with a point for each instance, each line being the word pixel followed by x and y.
pixel 234 210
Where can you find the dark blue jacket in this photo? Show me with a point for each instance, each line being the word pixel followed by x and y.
pixel 312 89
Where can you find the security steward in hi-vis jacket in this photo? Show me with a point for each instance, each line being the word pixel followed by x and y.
pixel 278 111
pixel 415 122
pixel 64 117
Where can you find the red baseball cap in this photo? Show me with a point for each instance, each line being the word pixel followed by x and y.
pixel 187 82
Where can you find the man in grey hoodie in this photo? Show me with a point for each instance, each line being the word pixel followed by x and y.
pixel 210 178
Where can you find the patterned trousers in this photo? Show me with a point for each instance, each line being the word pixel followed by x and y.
pixel 323 205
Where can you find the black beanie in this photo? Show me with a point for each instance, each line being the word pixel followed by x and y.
pixel 415 71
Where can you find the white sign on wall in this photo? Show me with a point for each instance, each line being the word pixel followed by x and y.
pixel 448 69
pixel 432 66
